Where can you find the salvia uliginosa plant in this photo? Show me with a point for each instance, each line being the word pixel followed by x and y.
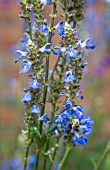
pixel 65 123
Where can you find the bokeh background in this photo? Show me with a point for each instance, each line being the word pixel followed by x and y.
pixel 95 87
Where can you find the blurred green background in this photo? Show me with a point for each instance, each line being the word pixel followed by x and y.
pixel 95 86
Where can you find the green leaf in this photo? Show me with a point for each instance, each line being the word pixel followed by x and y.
pixel 42 142
pixel 51 128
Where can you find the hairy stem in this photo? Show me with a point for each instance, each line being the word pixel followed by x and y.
pixel 68 148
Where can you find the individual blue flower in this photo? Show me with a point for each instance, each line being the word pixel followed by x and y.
pixel 77 111
pixel 87 43
pixel 82 140
pixel 45 48
pixel 78 94
pixel 34 84
pixel 35 109
pixel 43 28
pixel 46 2
pixel 87 120
pixel 26 97
pixel 84 43
pixel 26 66
pixel 22 55
pixel 86 129
pixel 68 102
pixel 71 52
pixel 68 77
pixel 60 28
pixel 25 38
pixel 44 118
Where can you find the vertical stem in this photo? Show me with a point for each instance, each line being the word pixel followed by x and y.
pixel 54 11
pixel 68 148
pixel 37 160
pixel 102 157
pixel 54 153
pixel 27 149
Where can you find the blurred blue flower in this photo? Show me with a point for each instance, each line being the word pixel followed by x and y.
pixel 68 77
pixel 60 28
pixel 35 109
pixel 22 55
pixel 26 66
pixel 68 102
pixel 25 38
pixel 71 53
pixel 26 97
pixel 34 84
pixel 44 118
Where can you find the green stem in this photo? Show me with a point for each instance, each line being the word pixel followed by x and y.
pixel 102 157
pixel 56 64
pixel 27 149
pixel 45 158
pixel 54 153
pixel 68 148
pixel 54 11
pixel 37 160
pixel 48 141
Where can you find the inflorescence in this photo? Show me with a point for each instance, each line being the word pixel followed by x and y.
pixel 68 119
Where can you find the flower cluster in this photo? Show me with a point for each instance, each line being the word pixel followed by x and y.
pixel 68 119
pixel 72 122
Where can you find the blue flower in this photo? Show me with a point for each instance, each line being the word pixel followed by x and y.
pixel 77 111
pixel 82 140
pixel 44 118
pixel 60 28
pixel 26 66
pixel 35 109
pixel 22 55
pixel 85 123
pixel 78 94
pixel 71 53
pixel 34 84
pixel 25 39
pixel 45 48
pixel 68 76
pixel 26 97
pixel 86 129
pixel 87 43
pixel 64 119
pixel 68 102
pixel 46 2
pixel 43 28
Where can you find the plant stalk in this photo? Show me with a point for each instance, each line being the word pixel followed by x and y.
pixel 68 148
